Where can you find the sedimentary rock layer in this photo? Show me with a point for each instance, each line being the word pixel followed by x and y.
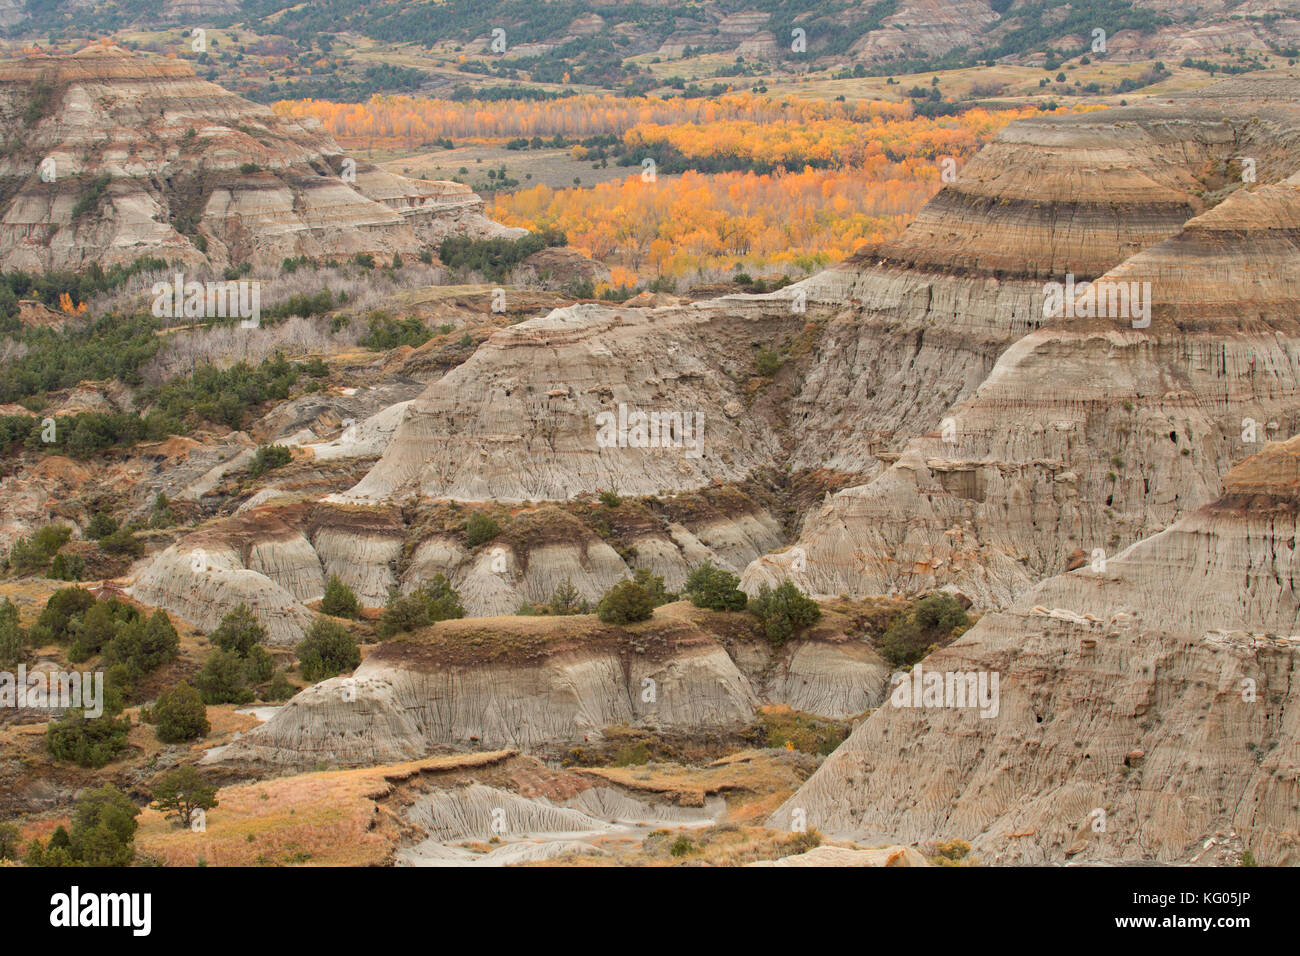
pixel 124 155
pixel 276 555
pixel 1143 707
pixel 536 683
pixel 1091 432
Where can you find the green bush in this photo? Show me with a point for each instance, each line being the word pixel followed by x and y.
pixel 654 586
pixel 67 567
pixel 328 650
pixel 33 555
pixel 161 516
pixel 224 679
pixel 494 258
pixel 339 600
pixel 103 833
pixel 10 842
pixel 258 665
pixel 179 715
pixel 768 363
pixel 280 688
pixel 384 332
pixel 625 603
pixel 567 600
pixel 87 742
pixel 783 611
pixel 941 612
pixel 933 621
pixel 88 201
pixel 480 529
pixel 143 646
pixel 62 615
pixel 711 587
pixel 436 601
pixel 101 525
pixel 13 639
pixel 267 458
pixel 122 541
pixel 99 626
pixel 239 631
pixel 182 791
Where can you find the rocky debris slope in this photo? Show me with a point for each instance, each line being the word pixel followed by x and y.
pixel 113 156
pixel 1141 709
pixel 1089 433
pixel 210 572
pixel 539 683
pixel 920 29
pixel 1176 28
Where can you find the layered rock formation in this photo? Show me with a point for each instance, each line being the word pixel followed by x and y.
pixel 1090 432
pixel 532 828
pixel 277 551
pixel 925 28
pixel 114 156
pixel 210 572
pixel 893 338
pixel 537 683
pixel 521 419
pixel 1142 708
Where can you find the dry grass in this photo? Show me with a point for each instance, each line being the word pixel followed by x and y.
pixel 332 818
pixel 742 777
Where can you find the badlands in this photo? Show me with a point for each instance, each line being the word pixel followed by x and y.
pixel 1107 503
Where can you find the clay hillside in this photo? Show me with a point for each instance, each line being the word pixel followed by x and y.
pixel 1153 695
pixel 110 156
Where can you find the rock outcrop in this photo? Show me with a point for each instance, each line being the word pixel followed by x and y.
pixel 1089 433
pixel 547 683
pixel 1142 708
pixel 209 573
pixel 278 550
pixel 123 155
pixel 522 418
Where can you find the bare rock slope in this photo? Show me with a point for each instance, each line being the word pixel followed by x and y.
pixel 1092 431
pixel 1144 709
pixel 538 683
pixel 110 156
pixel 276 555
